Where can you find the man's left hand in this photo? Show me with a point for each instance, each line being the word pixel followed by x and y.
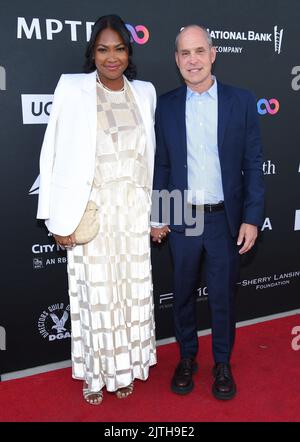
pixel 248 235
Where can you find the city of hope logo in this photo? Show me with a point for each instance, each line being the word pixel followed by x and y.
pixel 270 106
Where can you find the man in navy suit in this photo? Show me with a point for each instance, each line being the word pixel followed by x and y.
pixel 208 145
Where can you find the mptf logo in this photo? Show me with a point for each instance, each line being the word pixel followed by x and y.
pixel 2 79
pixel 2 339
pixel 36 108
pixel 270 106
pixel 53 323
pixel 51 27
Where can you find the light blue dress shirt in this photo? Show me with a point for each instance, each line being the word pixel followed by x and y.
pixel 204 171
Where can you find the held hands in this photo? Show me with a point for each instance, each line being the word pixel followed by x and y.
pixel 248 235
pixel 159 233
pixel 65 241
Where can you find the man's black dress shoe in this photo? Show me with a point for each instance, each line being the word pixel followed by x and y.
pixel 224 386
pixel 182 381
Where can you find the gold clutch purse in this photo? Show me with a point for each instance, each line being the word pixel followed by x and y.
pixel 88 227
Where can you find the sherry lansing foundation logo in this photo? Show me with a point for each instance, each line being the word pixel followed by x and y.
pixel 2 79
pixel 54 322
pixel 236 39
pixel 36 108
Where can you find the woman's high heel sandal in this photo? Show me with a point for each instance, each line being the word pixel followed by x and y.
pixel 124 392
pixel 92 397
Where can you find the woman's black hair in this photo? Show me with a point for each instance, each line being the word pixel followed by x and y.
pixel 115 23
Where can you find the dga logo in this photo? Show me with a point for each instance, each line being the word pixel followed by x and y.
pixel 2 339
pixel 2 79
pixel 270 106
pixel 143 31
pixel 297 220
pixel 54 324
pixel 277 39
pixel 36 108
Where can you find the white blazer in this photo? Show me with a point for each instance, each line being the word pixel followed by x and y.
pixel 67 160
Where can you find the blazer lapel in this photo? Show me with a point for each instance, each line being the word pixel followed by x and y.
pixel 90 104
pixel 224 109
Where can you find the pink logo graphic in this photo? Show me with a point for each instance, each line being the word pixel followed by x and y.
pixel 268 106
pixel 143 36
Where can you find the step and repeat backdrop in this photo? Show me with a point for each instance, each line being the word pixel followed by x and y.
pixel 257 48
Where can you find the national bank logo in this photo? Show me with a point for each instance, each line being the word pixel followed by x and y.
pixel 275 37
pixel 2 79
pixel 51 28
pixel 36 108
pixel 268 106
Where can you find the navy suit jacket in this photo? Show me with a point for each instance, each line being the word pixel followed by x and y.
pixel 240 152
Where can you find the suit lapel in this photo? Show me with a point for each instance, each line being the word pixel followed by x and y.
pixel 224 109
pixel 179 106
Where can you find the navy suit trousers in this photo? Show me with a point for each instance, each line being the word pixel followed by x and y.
pixel 222 261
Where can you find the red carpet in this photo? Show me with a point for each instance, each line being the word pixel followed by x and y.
pixel 265 366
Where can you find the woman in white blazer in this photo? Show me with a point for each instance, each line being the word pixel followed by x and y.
pixel 99 146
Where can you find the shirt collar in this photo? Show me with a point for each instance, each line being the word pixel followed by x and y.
pixel 212 91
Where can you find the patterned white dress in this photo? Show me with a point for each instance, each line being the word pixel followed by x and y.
pixel 110 285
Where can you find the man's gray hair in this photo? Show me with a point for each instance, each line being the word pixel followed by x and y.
pixel 203 28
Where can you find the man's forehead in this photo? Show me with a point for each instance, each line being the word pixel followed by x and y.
pixel 192 38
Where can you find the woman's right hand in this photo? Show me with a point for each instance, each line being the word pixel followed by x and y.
pixel 65 241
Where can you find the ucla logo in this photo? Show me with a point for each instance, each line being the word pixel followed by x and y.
pixel 265 106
